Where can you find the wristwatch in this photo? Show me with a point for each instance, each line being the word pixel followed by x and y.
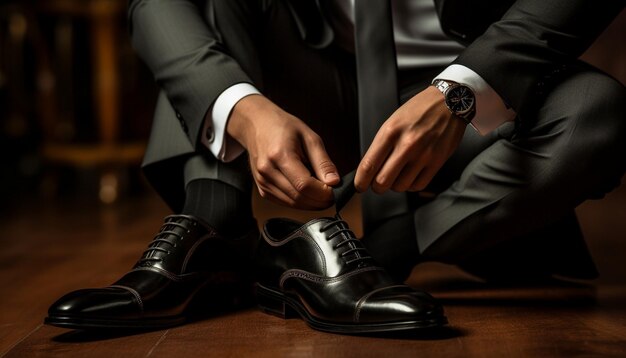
pixel 459 99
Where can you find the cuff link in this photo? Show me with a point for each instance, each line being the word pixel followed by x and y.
pixel 209 135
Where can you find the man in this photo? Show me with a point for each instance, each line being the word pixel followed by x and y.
pixel 504 190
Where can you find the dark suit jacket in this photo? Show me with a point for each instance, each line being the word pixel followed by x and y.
pixel 512 44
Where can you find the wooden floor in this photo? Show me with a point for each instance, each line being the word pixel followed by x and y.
pixel 49 249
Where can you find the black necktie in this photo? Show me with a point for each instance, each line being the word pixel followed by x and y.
pixel 378 93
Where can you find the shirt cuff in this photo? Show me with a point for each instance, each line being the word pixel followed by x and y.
pixel 215 138
pixel 491 111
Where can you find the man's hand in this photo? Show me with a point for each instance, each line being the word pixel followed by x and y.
pixel 411 146
pixel 279 146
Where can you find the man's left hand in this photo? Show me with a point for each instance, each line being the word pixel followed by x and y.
pixel 411 146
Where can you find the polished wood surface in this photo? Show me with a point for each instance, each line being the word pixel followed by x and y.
pixel 50 249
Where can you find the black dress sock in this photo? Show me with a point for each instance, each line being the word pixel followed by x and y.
pixel 224 207
pixel 393 245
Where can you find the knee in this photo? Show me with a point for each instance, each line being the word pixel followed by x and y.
pixel 603 118
pixel 581 126
pixel 597 107
pixel 589 107
pixel 599 119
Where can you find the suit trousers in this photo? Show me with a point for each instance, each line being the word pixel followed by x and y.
pixel 500 197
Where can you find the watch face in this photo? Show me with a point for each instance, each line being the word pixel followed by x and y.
pixel 460 99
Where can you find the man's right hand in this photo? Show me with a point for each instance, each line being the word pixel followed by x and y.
pixel 279 146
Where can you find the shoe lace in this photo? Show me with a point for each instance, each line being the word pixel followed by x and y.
pixel 349 239
pixel 161 241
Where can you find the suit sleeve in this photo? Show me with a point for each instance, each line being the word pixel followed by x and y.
pixel 185 55
pixel 533 38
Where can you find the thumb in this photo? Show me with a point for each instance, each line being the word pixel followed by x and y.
pixel 325 169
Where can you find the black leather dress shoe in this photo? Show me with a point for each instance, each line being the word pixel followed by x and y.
pixel 185 259
pixel 322 273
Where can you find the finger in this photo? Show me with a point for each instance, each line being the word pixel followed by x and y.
pixel 275 195
pixel 424 178
pixel 372 161
pixel 301 180
pixel 324 168
pixel 389 172
pixel 281 183
pixel 278 199
pixel 407 176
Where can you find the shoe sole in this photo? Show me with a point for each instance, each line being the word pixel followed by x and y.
pixel 108 324
pixel 277 304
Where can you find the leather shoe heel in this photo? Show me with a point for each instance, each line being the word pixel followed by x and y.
pixel 272 302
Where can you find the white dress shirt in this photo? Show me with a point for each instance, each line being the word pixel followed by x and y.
pixel 419 42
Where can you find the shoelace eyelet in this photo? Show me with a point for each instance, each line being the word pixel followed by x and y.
pixel 351 239
pixel 167 229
